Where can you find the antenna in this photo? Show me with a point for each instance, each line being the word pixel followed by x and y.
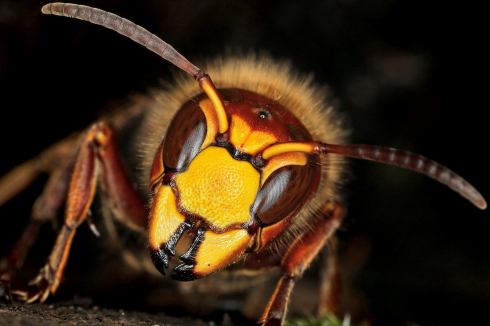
pixel 386 155
pixel 148 40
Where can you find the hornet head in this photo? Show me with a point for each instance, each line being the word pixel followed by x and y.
pixel 216 185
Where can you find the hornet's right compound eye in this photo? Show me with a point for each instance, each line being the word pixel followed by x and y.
pixel 184 136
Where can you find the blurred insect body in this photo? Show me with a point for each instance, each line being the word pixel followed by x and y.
pixel 244 175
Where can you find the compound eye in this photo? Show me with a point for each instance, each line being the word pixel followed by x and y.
pixel 184 136
pixel 282 193
pixel 286 188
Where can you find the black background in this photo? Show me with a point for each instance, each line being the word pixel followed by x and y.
pixel 408 74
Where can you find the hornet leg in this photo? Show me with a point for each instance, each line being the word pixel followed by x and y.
pixel 298 258
pixel 97 155
pixel 46 208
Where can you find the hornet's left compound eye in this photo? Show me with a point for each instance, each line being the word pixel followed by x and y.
pixel 285 182
pixel 282 193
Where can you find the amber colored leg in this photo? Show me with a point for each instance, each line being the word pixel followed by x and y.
pixel 97 145
pixel 55 161
pixel 45 208
pixel 126 203
pixel 298 258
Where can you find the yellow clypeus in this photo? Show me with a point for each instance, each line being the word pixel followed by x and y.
pixel 218 188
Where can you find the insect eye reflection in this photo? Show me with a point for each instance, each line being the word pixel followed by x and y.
pixel 263 115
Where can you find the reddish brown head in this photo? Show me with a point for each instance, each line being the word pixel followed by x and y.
pixel 218 185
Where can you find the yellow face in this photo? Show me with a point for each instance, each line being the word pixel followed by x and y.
pixel 219 189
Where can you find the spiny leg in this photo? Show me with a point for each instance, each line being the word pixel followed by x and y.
pixel 97 146
pixel 46 208
pixel 56 161
pixel 298 258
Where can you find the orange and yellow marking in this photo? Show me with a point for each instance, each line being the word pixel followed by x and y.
pixel 302 147
pixel 246 140
pixel 211 122
pixel 280 161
